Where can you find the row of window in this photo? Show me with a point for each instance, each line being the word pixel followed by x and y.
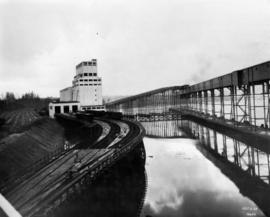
pixel 86 74
pixel 89 63
pixel 87 85
pixel 94 107
pixel 66 108
pixel 90 80
pixel 92 63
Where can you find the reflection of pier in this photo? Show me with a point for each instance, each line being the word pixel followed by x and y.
pixel 247 166
pixel 163 129
pixel 236 105
pixel 238 102
pixel 253 161
pixel 249 186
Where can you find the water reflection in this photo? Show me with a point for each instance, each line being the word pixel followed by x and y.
pixel 182 182
pixel 249 159
pixel 214 175
pixel 247 166
pixel 164 129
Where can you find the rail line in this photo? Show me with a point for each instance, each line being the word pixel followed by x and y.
pixel 40 191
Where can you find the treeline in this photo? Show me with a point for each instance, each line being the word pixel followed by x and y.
pixel 27 100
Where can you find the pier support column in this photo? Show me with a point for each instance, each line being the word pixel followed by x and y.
pixel 206 102
pixel 212 92
pixel 221 96
pixel 224 151
pixel 215 141
pixel 200 101
pixel 233 103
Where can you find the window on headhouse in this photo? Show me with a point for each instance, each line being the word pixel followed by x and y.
pixel 94 74
pixel 85 74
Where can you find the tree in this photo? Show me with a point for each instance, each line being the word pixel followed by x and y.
pixel 30 96
pixel 10 97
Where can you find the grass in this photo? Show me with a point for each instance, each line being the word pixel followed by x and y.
pixel 25 138
pixel 17 121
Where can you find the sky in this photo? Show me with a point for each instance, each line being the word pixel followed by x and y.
pixel 140 45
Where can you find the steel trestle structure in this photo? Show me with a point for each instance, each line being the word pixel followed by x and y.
pixel 239 98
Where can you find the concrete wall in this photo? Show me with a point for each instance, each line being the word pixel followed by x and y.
pixel 66 94
pixel 86 69
pixel 88 95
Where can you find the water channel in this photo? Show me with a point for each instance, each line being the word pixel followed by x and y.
pixel 190 170
pixel 182 182
pixel 188 177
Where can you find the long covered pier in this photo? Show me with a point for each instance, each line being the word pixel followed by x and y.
pixel 232 110
pixel 240 97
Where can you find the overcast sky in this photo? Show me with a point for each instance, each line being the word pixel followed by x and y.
pixel 140 45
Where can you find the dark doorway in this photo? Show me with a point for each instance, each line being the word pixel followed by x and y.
pixel 57 109
pixel 66 109
pixel 74 108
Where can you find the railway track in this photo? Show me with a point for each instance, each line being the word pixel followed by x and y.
pixel 37 190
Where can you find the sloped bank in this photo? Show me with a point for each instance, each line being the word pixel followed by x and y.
pixel 20 151
pixel 25 153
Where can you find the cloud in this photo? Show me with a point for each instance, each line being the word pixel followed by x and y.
pixel 200 204
pixel 181 182
pixel 140 45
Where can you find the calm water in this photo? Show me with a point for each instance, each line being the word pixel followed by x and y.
pixel 181 177
pixel 182 182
